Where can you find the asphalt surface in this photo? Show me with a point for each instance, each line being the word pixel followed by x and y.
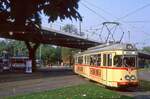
pixel 145 75
pixel 17 83
pixel 20 83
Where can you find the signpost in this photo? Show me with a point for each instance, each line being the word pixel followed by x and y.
pixel 28 66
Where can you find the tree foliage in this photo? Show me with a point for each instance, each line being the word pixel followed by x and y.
pixel 15 48
pixel 49 54
pixel 147 49
pixel 70 28
pixel 18 15
pixel 23 12
pixel 67 53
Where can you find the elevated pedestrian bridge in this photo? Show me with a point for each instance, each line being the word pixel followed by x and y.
pixel 46 36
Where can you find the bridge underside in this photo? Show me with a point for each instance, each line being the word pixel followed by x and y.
pixel 143 55
pixel 45 36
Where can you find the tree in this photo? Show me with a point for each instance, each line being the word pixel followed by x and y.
pixel 70 29
pixel 58 54
pixel 67 53
pixel 147 49
pixel 18 48
pixel 22 12
pixel 18 14
pixel 14 47
pixel 2 46
pixel 50 54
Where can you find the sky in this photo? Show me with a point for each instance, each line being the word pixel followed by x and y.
pixel 133 16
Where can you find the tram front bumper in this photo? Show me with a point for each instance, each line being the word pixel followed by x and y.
pixel 121 84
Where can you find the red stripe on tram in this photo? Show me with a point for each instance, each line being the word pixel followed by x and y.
pixel 107 67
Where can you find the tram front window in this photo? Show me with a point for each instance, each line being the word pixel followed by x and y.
pixel 129 61
pixel 126 61
pixel 118 60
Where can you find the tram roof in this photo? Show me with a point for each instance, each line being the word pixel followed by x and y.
pixel 110 47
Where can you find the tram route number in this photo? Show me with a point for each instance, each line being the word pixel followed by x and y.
pixel 80 69
pixel 96 72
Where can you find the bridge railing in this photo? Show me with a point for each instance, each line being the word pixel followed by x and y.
pixel 83 34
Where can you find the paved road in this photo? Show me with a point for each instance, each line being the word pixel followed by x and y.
pixel 47 79
pixel 144 75
pixel 15 84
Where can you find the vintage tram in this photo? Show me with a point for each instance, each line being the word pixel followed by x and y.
pixel 113 65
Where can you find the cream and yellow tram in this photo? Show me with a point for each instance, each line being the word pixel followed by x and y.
pixel 113 65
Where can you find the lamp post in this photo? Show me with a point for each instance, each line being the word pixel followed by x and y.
pixel 80 26
pixel 40 55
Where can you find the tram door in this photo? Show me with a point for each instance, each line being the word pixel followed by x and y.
pixel 107 61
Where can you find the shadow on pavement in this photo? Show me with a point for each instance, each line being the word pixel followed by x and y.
pixel 40 73
pixel 142 97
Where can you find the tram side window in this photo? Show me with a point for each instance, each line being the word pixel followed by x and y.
pixel 80 59
pixel 99 60
pixel 85 59
pixel 118 61
pixel 104 60
pixel 92 60
pixel 76 60
pixel 88 60
pixel 109 59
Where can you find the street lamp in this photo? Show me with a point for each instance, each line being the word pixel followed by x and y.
pixel 80 25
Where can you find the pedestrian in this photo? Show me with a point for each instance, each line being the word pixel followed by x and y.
pixel 62 64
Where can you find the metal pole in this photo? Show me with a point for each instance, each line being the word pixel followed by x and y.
pixel 60 28
pixel 40 52
pixel 80 27
pixel 129 36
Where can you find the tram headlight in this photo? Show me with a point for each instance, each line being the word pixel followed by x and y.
pixel 127 77
pixel 133 77
pixel 129 46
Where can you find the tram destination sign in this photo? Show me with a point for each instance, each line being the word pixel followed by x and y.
pixel 130 53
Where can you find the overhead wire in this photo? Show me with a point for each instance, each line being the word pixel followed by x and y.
pixel 101 10
pixel 140 30
pixel 121 38
pixel 147 34
pixel 93 11
pixel 143 21
pixel 121 18
pixel 134 11
pixel 106 12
